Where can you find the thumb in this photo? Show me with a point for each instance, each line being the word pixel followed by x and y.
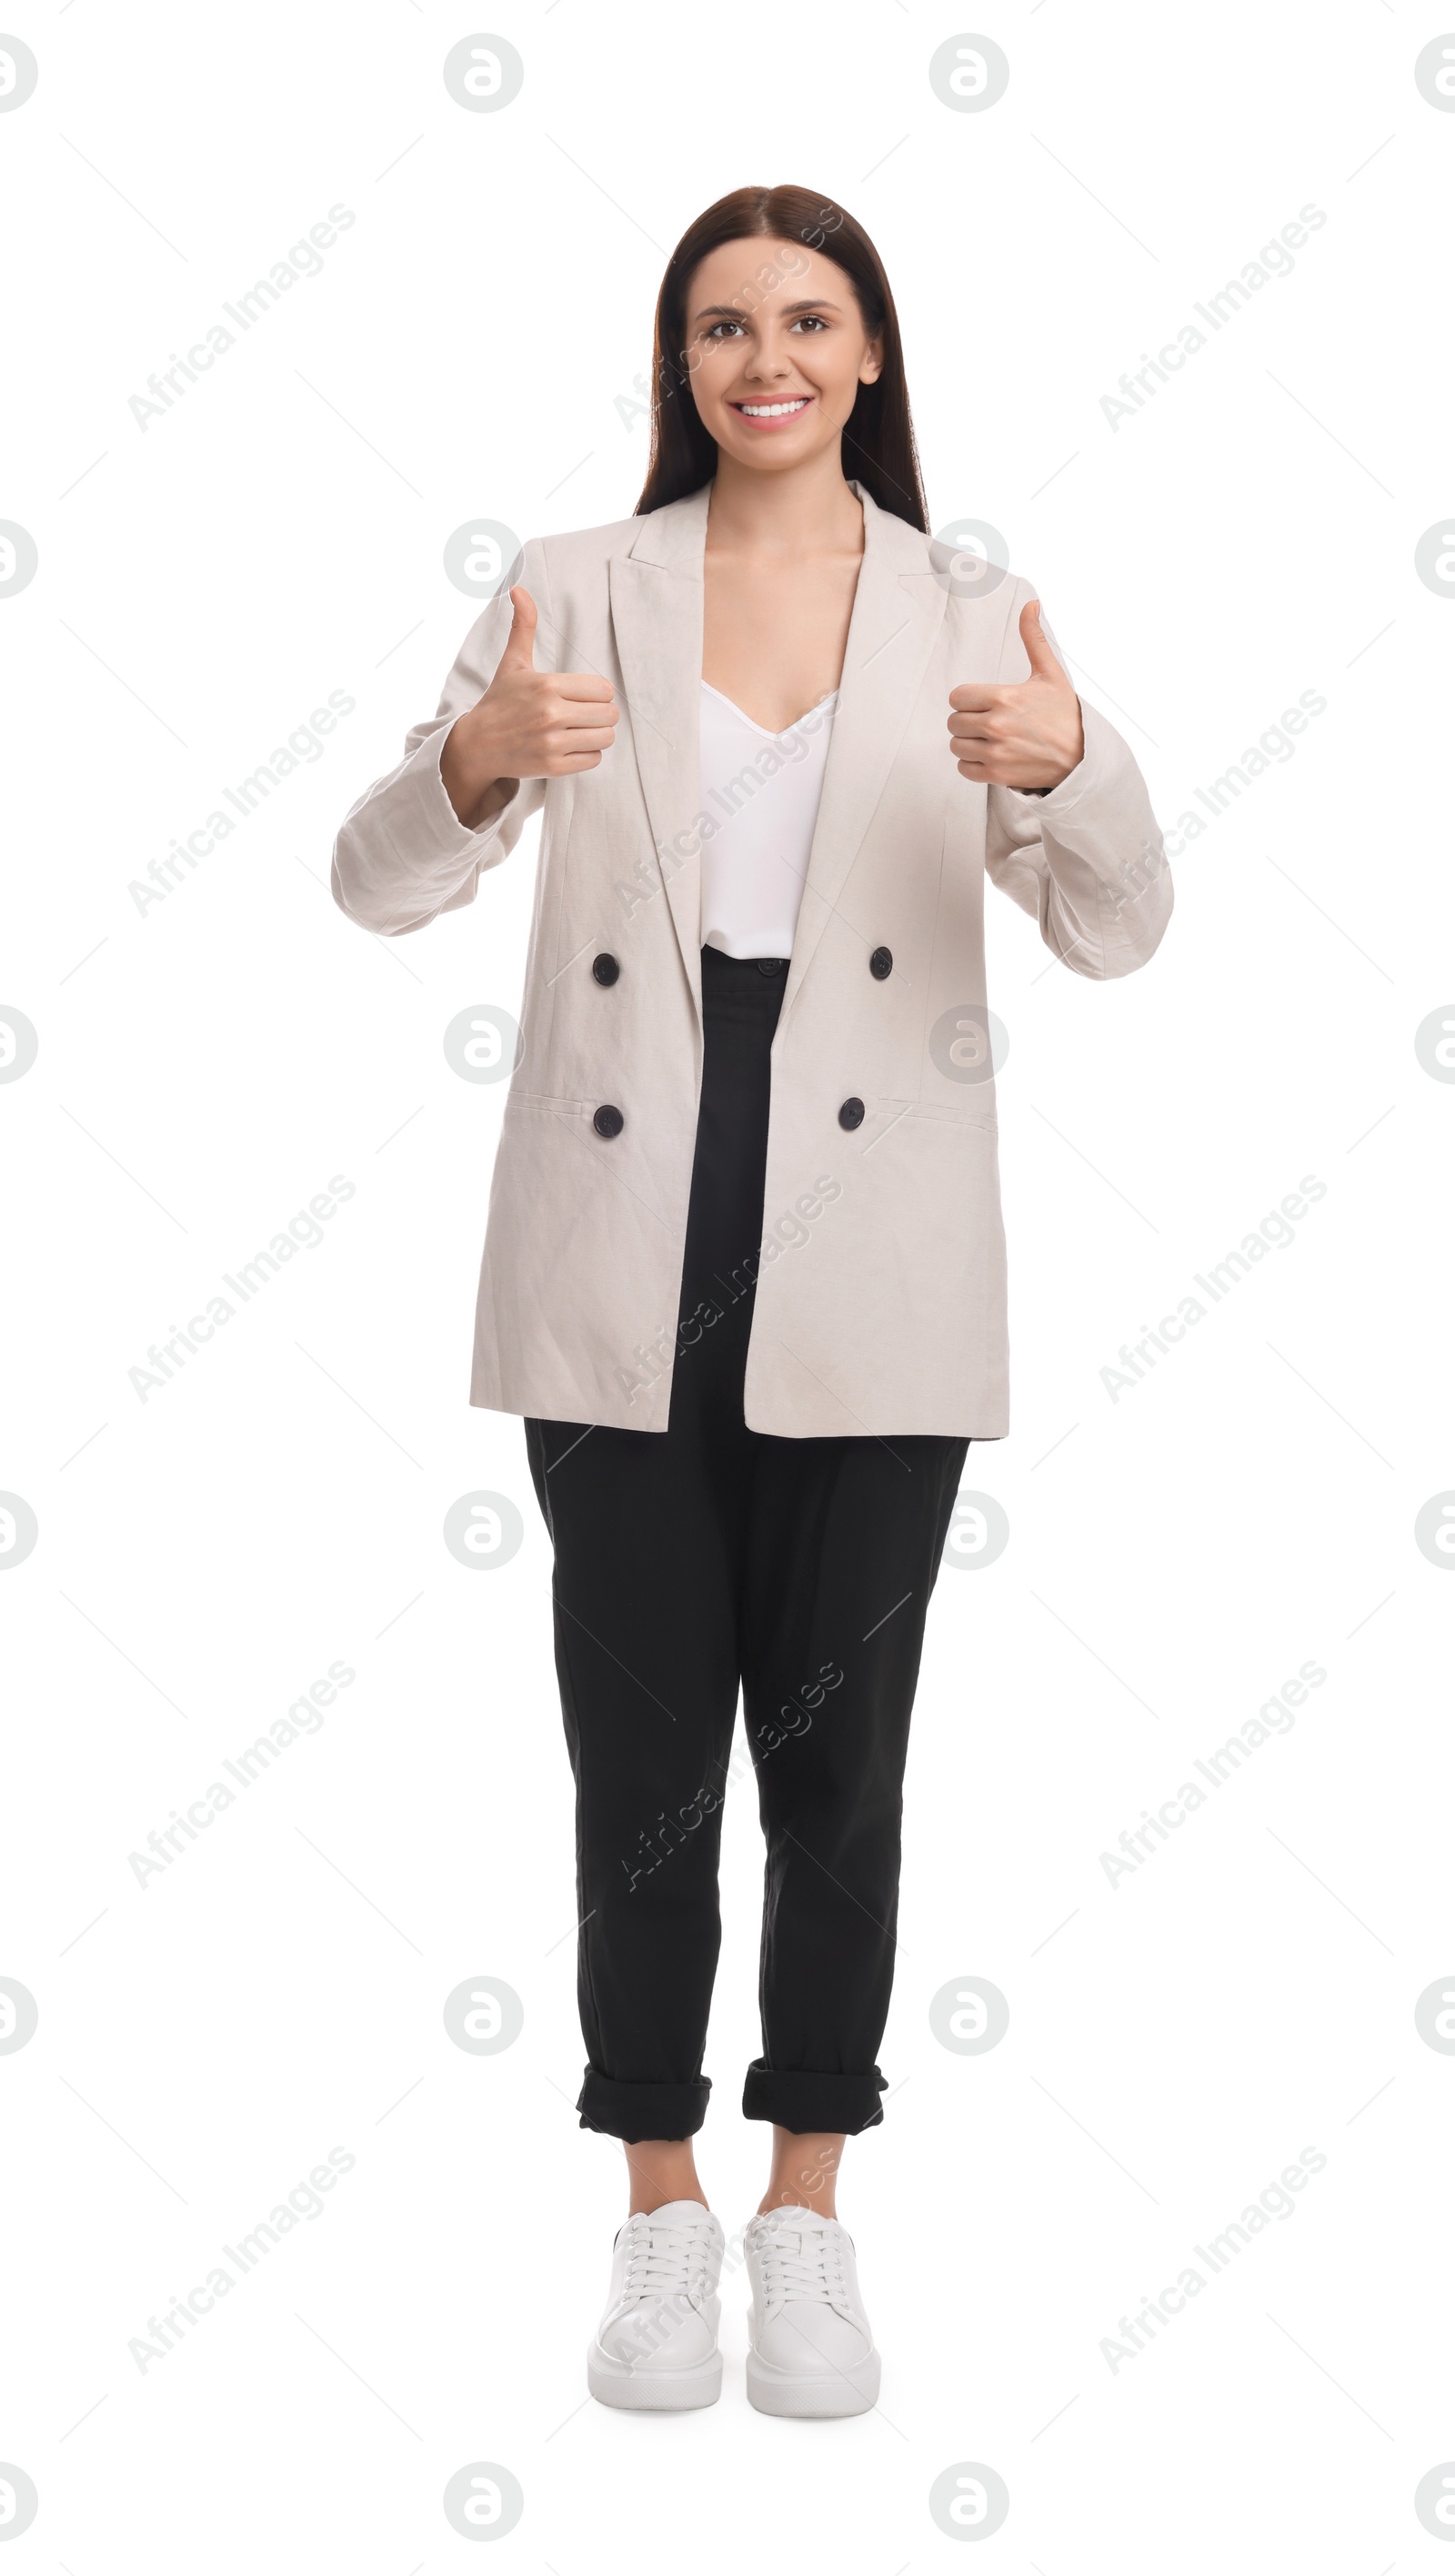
pixel 519 653
pixel 1043 662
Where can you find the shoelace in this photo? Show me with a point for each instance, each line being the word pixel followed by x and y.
pixel 802 2264
pixel 662 2260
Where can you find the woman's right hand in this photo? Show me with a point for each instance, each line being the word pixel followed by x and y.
pixel 529 724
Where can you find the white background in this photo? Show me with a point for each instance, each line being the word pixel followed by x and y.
pixel 206 1066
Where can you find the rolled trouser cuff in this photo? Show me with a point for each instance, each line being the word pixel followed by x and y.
pixel 813 2103
pixel 636 2111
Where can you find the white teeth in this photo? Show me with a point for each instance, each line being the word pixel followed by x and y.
pixel 772 411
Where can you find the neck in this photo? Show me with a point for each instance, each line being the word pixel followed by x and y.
pixel 805 511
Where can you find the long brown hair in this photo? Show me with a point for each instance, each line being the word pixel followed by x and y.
pixel 878 440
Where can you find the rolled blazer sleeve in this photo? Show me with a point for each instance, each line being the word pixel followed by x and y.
pixel 402 855
pixel 1086 858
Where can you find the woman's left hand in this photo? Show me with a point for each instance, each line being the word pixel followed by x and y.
pixel 1027 734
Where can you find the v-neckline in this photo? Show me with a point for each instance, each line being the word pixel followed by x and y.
pixel 767 730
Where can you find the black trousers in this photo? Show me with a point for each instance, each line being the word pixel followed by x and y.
pixel 690 1562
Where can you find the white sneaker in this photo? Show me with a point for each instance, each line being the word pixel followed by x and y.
pixel 656 2346
pixel 810 2345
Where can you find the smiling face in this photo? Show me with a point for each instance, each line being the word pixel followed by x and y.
pixel 775 367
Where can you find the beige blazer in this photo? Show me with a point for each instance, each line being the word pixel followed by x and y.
pixel 881 1284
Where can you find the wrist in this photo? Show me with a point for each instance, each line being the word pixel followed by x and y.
pixel 1073 763
pixel 494 801
pixel 473 774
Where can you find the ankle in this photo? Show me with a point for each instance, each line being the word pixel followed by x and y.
pixel 645 2199
pixel 804 2171
pixel 659 2170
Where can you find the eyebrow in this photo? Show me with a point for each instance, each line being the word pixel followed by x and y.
pixel 736 313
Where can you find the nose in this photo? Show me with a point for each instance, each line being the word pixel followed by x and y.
pixel 770 362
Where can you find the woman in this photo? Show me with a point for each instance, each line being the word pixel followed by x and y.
pixel 744 1272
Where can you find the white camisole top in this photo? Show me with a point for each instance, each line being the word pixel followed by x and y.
pixel 760 792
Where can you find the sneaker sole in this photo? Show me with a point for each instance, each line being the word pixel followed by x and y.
pixel 666 2392
pixel 838 2392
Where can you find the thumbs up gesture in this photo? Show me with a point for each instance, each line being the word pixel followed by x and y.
pixel 529 724
pixel 1027 734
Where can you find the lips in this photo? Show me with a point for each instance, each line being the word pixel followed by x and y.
pixel 771 415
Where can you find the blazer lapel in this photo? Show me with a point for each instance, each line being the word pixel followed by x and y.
pixel 898 609
pixel 656 617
